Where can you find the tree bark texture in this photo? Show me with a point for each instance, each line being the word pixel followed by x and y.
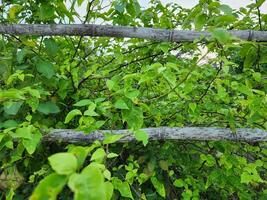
pixel 161 133
pixel 165 35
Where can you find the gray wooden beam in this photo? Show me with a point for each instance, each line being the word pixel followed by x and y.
pixel 161 133
pixel 93 30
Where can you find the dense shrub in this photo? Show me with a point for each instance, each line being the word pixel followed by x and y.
pixel 88 83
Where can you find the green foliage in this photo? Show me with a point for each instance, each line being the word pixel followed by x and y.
pixel 89 83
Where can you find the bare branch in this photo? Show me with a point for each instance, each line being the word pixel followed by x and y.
pixel 161 133
pixel 93 30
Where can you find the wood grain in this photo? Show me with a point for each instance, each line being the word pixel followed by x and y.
pixel 165 35
pixel 161 133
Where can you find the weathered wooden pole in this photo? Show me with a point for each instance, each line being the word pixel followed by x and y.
pixel 165 35
pixel 161 133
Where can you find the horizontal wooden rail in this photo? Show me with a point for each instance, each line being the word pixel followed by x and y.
pixel 166 35
pixel 161 133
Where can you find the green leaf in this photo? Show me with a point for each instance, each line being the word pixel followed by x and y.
pixel 21 55
pixel 110 84
pixel 170 77
pixel 112 155
pixel 24 132
pixel 259 3
pixel 250 58
pixel 31 144
pixel 14 10
pixel 89 184
pixel 179 183
pixel 133 117
pixel 11 94
pixel 63 163
pixel 226 9
pixel 45 68
pixel 46 11
pixel 112 138
pixel 109 190
pixel 193 106
pixel 200 21
pixel 257 76
pixel 158 186
pixel 132 94
pixel 91 113
pixel 80 153
pixel 48 108
pixel 221 35
pixel 71 115
pixel 164 165
pixel 142 136
pixel 84 102
pixel 246 178
pixel 12 108
pixel 120 104
pixel 119 6
pixel 123 187
pixel 91 110
pixel 98 155
pixel 49 187
pixel 51 46
pixel 10 123
pixel 125 190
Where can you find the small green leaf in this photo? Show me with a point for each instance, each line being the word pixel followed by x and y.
pixel 193 106
pixel 158 186
pixel 14 10
pixel 170 77
pixel 89 184
pixel 120 104
pixel 257 76
pixel 24 132
pixel 98 155
pixel 226 9
pixel 84 102
pixel 48 108
pixel 200 21
pixel 31 144
pixel 51 46
pixel 12 108
pixel 178 183
pixel 112 138
pixel 63 163
pixel 112 155
pixel 221 35
pixel 132 94
pixel 71 115
pixel 142 136
pixel 45 68
pixel 49 187
pixel 91 113
pixel 133 117
pixel 123 187
pixel 109 190
pixel 164 165
pixel 46 11
pixel 110 84
pixel 80 153
pixel 119 6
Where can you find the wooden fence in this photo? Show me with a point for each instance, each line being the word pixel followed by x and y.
pixel 161 133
